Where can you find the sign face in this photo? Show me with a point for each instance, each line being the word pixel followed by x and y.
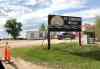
pixel 64 23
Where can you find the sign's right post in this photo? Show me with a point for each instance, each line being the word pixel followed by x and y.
pixel 80 42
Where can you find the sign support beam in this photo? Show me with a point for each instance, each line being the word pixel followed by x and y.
pixel 80 42
pixel 49 42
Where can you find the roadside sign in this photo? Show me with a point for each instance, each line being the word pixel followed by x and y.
pixel 91 37
pixel 64 23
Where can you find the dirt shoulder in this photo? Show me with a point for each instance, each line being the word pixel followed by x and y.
pixel 29 43
pixel 22 64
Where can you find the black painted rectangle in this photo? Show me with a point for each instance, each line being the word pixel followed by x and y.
pixel 68 23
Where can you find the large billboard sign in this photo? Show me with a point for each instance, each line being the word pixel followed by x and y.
pixel 64 23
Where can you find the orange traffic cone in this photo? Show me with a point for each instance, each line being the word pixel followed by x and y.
pixel 7 55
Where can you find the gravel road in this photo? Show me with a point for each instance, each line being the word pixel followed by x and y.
pixel 29 43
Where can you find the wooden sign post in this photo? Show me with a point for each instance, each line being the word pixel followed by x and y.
pixel 49 43
pixel 80 42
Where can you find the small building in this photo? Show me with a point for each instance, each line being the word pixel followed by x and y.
pixel 36 35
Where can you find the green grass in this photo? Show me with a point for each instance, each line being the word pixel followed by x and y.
pixel 62 56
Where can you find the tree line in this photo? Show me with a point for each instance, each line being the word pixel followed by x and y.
pixel 14 28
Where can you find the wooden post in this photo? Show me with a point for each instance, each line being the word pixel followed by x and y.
pixel 80 43
pixel 49 40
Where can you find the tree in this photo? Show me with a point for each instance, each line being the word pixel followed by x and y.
pixel 13 28
pixel 97 29
pixel 42 28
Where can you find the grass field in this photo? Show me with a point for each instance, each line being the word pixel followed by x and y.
pixel 62 56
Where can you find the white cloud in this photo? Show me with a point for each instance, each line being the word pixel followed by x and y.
pixel 55 6
pixel 31 2
pixel 23 13
pixel 35 2
pixel 90 13
pixel 1 29
pixel 2 22
pixel 18 11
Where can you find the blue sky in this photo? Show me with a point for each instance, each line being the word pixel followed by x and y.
pixel 32 13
